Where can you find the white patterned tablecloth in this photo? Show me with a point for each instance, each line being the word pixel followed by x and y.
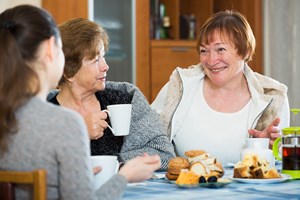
pixel 162 189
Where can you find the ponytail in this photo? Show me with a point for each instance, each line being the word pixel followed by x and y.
pixel 22 30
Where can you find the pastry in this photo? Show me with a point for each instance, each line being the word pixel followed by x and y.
pixel 203 164
pixel 272 173
pixel 242 172
pixel 196 155
pixel 198 162
pixel 198 168
pixel 216 169
pixel 175 166
pixel 252 166
pixel 257 173
pixel 187 177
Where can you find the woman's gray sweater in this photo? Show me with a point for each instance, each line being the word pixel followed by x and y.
pixel 56 139
pixel 146 132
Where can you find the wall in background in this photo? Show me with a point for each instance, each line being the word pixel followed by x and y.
pixel 4 4
pixel 281 45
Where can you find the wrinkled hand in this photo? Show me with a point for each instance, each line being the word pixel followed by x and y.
pixel 96 124
pixel 272 131
pixel 140 168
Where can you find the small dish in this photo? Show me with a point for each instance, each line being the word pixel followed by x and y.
pixel 220 183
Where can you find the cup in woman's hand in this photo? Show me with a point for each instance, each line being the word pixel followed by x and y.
pixel 120 117
pixel 109 165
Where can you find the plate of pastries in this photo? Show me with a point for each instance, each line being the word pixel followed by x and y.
pixel 197 169
pixel 254 169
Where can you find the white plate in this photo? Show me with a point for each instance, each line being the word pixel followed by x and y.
pixel 283 178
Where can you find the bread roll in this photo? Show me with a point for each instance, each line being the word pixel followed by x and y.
pixel 175 166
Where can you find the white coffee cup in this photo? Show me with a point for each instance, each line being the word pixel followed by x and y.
pixel 110 167
pixel 120 117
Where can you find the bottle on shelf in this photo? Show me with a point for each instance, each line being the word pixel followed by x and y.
pixel 192 27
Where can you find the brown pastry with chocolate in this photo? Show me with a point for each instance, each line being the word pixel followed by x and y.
pixel 242 172
pixel 175 166
pixel 252 166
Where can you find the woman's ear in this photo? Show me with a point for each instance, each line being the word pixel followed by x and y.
pixel 49 49
pixel 70 80
pixel 247 57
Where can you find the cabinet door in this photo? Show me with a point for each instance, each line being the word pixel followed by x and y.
pixel 63 10
pixel 164 59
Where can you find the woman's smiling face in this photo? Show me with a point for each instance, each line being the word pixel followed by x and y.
pixel 220 59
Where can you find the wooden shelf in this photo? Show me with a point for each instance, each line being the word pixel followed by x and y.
pixel 173 43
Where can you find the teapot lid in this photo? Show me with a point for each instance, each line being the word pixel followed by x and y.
pixel 291 130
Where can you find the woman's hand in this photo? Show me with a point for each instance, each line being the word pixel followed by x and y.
pixel 272 131
pixel 140 168
pixel 96 124
pixel 97 169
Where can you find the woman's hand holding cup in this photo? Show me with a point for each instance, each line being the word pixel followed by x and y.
pixel 96 124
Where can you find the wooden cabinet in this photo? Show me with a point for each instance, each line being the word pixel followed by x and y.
pixel 63 10
pixel 165 56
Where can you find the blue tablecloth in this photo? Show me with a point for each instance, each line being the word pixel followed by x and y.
pixel 164 189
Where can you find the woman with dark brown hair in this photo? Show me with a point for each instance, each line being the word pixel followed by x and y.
pixel 35 134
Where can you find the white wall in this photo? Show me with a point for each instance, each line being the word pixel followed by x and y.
pixel 281 45
pixel 4 4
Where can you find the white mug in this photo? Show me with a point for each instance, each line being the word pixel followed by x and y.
pixel 120 117
pixel 110 167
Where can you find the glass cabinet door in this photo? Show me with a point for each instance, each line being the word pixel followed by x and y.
pixel 117 17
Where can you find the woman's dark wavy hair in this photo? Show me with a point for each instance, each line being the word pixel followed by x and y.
pixel 22 30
